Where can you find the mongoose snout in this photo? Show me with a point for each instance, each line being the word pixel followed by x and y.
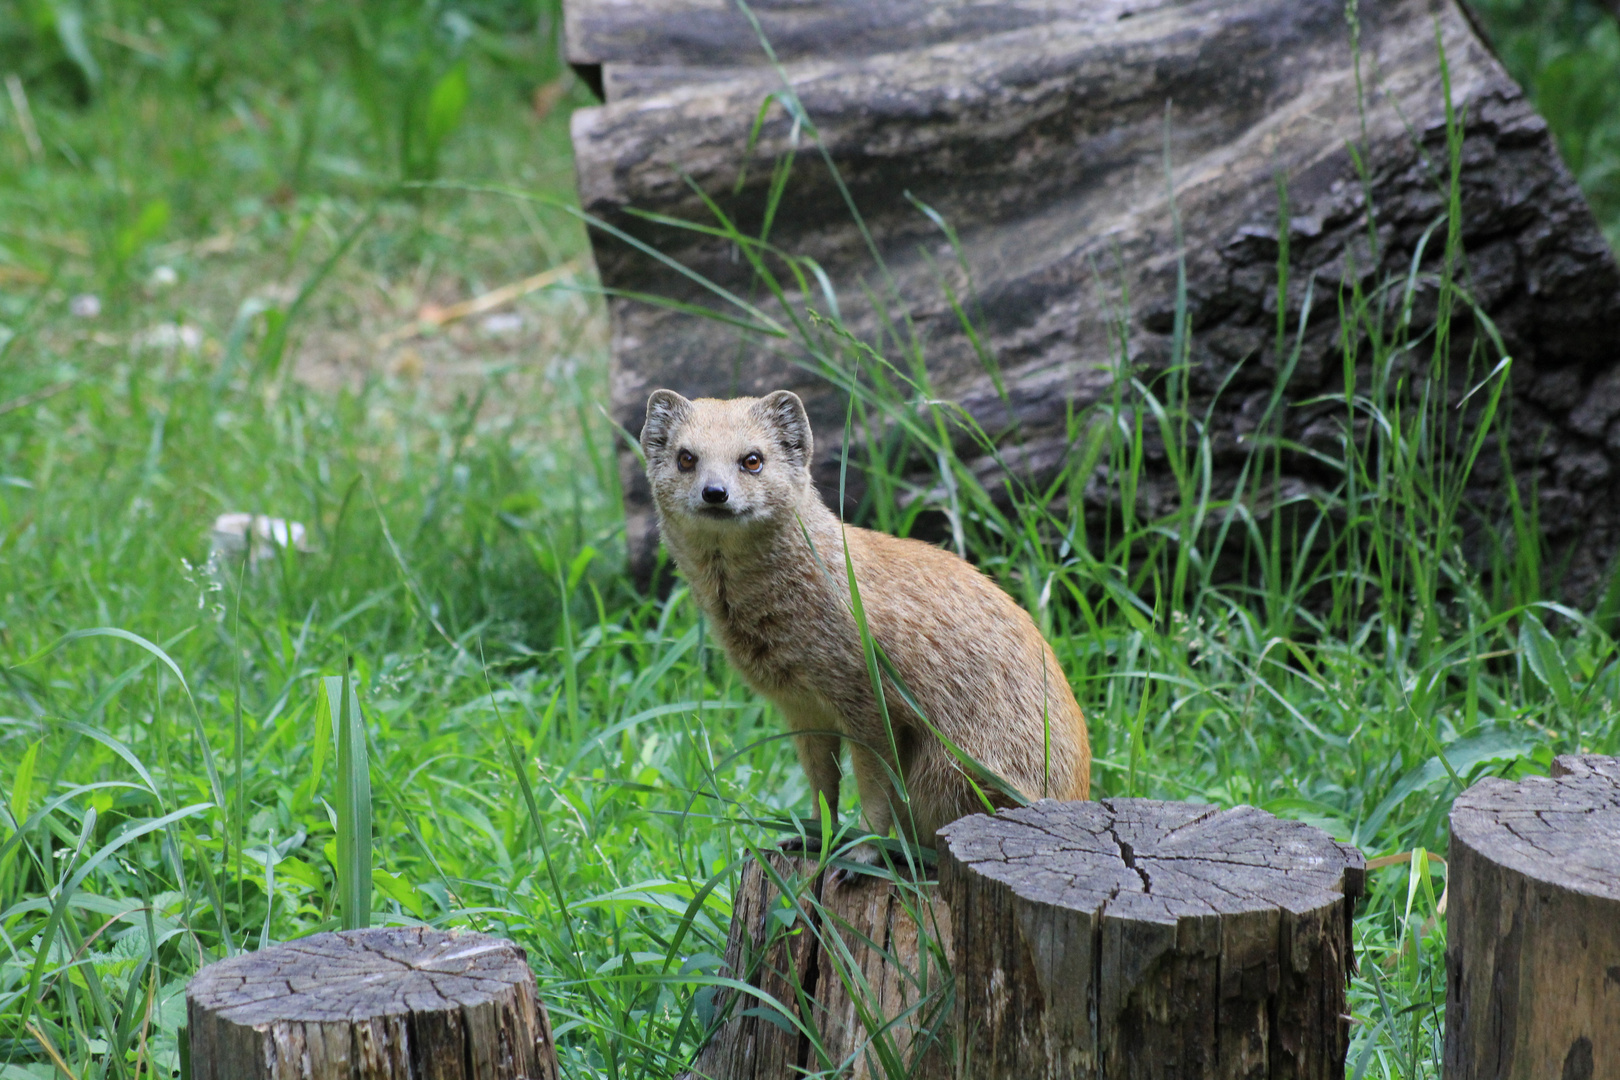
pixel 766 561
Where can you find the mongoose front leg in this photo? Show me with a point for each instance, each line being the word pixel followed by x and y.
pixel 818 756
pixel 815 731
pixel 878 806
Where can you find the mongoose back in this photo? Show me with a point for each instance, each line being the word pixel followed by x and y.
pixel 765 560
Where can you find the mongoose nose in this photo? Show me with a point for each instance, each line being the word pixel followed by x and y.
pixel 714 494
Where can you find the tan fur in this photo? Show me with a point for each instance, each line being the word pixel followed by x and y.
pixel 767 567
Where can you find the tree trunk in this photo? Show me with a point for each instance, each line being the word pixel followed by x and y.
pixel 859 974
pixel 1533 934
pixel 394 1004
pixel 1129 938
pixel 1049 136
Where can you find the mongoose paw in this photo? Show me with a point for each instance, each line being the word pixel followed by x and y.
pixel 864 854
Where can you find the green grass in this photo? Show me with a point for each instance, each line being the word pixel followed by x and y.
pixel 553 756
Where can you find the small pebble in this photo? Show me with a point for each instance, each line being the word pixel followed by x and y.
pixel 169 336
pixel 503 323
pixel 85 306
pixel 233 533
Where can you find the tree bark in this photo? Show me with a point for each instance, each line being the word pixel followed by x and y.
pixel 1050 137
pixel 1129 938
pixel 863 965
pixel 644 47
pixel 394 1004
pixel 1533 935
pixel 1607 768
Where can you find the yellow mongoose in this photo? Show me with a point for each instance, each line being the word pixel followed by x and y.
pixel 765 559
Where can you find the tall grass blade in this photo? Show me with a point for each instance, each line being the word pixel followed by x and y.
pixel 354 855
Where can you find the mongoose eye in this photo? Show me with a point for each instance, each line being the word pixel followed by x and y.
pixel 686 460
pixel 752 462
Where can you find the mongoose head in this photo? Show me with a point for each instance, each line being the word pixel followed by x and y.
pixel 723 465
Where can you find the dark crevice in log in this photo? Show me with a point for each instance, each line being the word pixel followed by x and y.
pixel 1129 857
pixel 812 973
pixel 591 76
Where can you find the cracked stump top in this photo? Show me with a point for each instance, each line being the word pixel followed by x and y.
pixel 357 976
pixel 397 1003
pixel 1562 832
pixel 1131 939
pixel 1151 861
pixel 1533 931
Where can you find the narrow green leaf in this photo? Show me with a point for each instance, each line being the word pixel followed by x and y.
pixel 354 861
pixel 22 784
pixel 1545 659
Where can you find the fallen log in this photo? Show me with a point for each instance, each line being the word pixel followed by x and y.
pixel 1051 137
pixel 1129 938
pixel 1533 935
pixel 385 1004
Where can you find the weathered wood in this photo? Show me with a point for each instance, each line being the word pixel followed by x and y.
pixel 643 46
pixel 1586 765
pixel 1129 938
pixel 875 992
pixel 1533 934
pixel 386 1004
pixel 1042 140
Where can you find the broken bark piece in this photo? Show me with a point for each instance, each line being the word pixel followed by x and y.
pixel 385 1004
pixel 1586 765
pixel 1039 132
pixel 1131 938
pixel 876 994
pixel 1533 935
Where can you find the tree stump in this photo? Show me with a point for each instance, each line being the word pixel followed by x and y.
pixel 1533 947
pixel 1038 130
pixel 386 1004
pixel 1130 938
pixel 863 965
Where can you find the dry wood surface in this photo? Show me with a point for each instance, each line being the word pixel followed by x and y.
pixel 384 1004
pixel 1129 938
pixel 1533 935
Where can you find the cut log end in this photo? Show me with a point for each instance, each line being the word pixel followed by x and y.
pixel 1533 946
pixel 388 1004
pixel 1132 938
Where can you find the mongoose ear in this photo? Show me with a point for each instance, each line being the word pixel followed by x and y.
pixel 784 414
pixel 665 410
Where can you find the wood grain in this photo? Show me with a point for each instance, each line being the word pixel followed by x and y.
pixel 1128 938
pixel 384 1004
pixel 1533 947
